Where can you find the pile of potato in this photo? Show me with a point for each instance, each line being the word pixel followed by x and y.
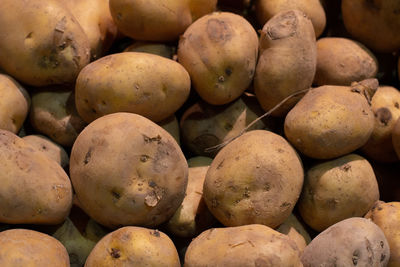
pixel 199 133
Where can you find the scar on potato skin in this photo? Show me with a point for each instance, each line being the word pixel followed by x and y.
pixel 384 115
pixel 115 253
pixel 88 156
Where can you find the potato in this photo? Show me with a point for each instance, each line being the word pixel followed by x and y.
pixel 280 70
pixel 374 23
pixel 295 231
pixel 220 53
pixel 244 184
pixel 134 246
pixel 14 104
pixel 171 125
pixel 160 49
pixel 348 243
pixel 248 245
pixel 199 161
pixel 21 247
pixel 126 170
pixel 332 121
pixel 145 84
pixel 43 44
pixel 199 8
pixel 54 114
pixel 266 9
pixel 387 217
pixel 386 107
pixel 51 149
pixel 396 138
pixel 342 61
pixel 336 190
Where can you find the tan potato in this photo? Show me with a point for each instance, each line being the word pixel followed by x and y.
pixel 199 8
pixel 266 9
pixel 348 243
pixel 295 231
pixel 43 44
pixel 244 182
pixel 51 149
pixel 244 246
pixel 280 70
pixel 54 114
pixel 332 121
pixel 14 104
pixel 336 190
pixel 160 49
pixel 20 247
pixel 374 23
pixel 134 246
pixel 386 107
pixel 341 61
pixel 145 84
pixel 127 170
pixel 220 53
pixel 387 217
pixel 35 189
pixel 171 125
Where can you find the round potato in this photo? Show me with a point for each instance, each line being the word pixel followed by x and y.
pixel 244 184
pixel 127 170
pixel 145 84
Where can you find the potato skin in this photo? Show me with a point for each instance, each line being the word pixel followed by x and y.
pixel 244 182
pixel 280 70
pixel 145 84
pixel 295 231
pixel 134 246
pixel 341 61
pixel 219 51
pixel 171 125
pixel 127 170
pixel 161 49
pixel 248 245
pixel 336 190
pixel 35 189
pixel 348 243
pixel 199 8
pixel 47 46
pixel 21 247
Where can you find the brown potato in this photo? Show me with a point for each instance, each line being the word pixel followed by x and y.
pixel 295 231
pixel 199 8
pixel 171 125
pixel 160 49
pixel 396 138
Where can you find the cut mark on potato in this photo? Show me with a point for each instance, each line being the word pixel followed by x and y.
pixel 88 156
pixel 155 233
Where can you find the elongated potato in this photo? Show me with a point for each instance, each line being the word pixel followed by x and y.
pixel 145 84
pixel 220 52
pixel 47 46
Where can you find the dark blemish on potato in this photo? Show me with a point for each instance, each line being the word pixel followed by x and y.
pixel 380 208
pixel 396 105
pixel 280 150
pixel 155 233
pixel 115 194
pixel 355 90
pixel 49 61
pixel 370 251
pixel 218 30
pixel 282 26
pixel 103 102
pixel 267 187
pixel 119 15
pixel 372 5
pixel 152 184
pixel 228 71
pixel 382 244
pixel 86 101
pixel 228 126
pixel 94 111
pixel 383 256
pixel 285 205
pixel 246 193
pixel 44 147
pixel 144 158
pixel 214 203
pixel 220 165
pixel 356 255
pixel 115 253
pixel 13 120
pixel 221 79
pixel 237 158
pixel 148 140
pixel 346 167
pixel 88 156
pixel 383 115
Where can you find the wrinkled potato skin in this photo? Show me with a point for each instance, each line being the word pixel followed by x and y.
pixel 336 190
pixel 348 243
pixel 341 61
pixel 54 114
pixel 295 231
pixel 171 125
pixel 47 46
pixel 244 246
pixel 134 246
pixel 244 182
pixel 160 49
pixel 35 189
pixel 126 170
pixel 329 122
pixel 145 84
pixel 386 107
pixel 20 247
pixel 374 23
pixel 220 52
pixel 387 217
pixel 14 104
pixel 280 70
pixel 266 9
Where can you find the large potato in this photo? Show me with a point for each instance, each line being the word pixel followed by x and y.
pixel 348 243
pixel 126 170
pixel 280 70
pixel 220 53
pixel 256 178
pixel 145 84
pixel 35 189
pixel 41 43
pixel 244 246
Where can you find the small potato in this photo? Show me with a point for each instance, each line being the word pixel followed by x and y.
pixel 336 190
pixel 14 104
pixel 244 184
pixel 341 61
pixel 244 246
pixel 134 246
pixel 220 53
pixel 171 125
pixel 348 243
pixel 199 161
pixel 160 49
pixel 149 85
pixel 295 231
pixel 20 247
